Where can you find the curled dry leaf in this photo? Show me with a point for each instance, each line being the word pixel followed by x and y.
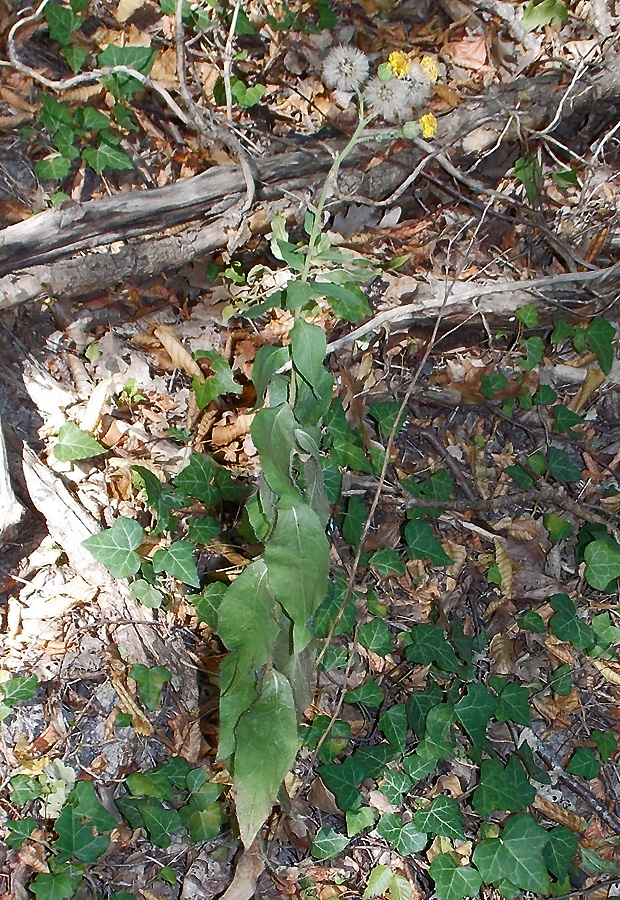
pixel 504 565
pixel 501 652
pixel 558 814
pixel 226 434
pixel 594 379
pixel 127 8
pixel 181 358
pixel 608 669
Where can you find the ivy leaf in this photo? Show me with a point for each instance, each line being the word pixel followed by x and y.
pixel 202 824
pixel 560 850
pixel 453 882
pixel 220 382
pixel 53 168
pixel 19 831
pixel 327 843
pixel 368 694
pixel 513 703
pixel 531 621
pixel 325 617
pixel 394 785
pixel 150 682
pixel 534 348
pixel 343 780
pixel 160 821
pixel 602 564
pixel 606 743
pixel 106 156
pixel 23 789
pixel 393 724
pixel 297 558
pixel 561 466
pixel 379 882
pixel 116 547
pixel 443 819
pixel 271 722
pixel 584 763
pixel 359 819
pixel 544 12
pixel 599 338
pixel 208 601
pixel 505 789
pixel 73 443
pixel 48 886
pixel 474 711
pixel 566 625
pixel 430 645
pixel 557 526
pixel 422 543
pixel 387 562
pixel 18 689
pixel 62 22
pixel 178 561
pixel 516 856
pixel 148 595
pixel 150 784
pixel 78 836
pixel 376 636
pixel 404 839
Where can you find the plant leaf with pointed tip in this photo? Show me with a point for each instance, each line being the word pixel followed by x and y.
pixel 73 443
pixel 116 547
pixel 453 882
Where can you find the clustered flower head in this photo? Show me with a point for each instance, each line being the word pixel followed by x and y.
pixel 345 68
pixel 399 63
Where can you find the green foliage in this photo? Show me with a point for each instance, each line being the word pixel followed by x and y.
pixel 327 843
pixel 539 13
pixel 16 690
pixel 452 881
pixel 73 443
pixel 150 681
pixel 220 382
pixel 116 547
pixel 529 174
pixel 516 856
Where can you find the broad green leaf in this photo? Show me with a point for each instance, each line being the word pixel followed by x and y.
pixel 443 819
pixel 430 645
pixel 238 692
pixel 207 603
pixel 148 595
pixel 513 704
pixel 505 789
pixel 23 789
pixel 162 500
pixel 565 419
pixel 91 119
pixel 198 479
pixel 325 617
pixel 267 361
pixel 178 561
pixel 602 564
pixel 557 526
pixel 353 522
pixel 453 882
pixel 116 547
pixel 273 435
pixel 220 382
pixel 378 883
pixel 474 711
pixel 150 682
pixel 376 636
pixel 73 443
pixel 534 348
pixel 528 315
pixel 106 156
pixel 531 621
pixel 418 765
pixel 246 615
pixel 560 850
pixel 394 725
pixel 520 476
pixel 544 12
pixel 400 888
pixel 150 784
pixel 606 632
pixel 384 413
pixel 18 689
pixel 394 785
pixel 516 856
pixel 78 836
pixel 438 740
pixel 334 657
pixel 359 819
pixel 346 449
pixel 140 58
pixel 86 805
pixel 308 348
pixel 336 741
pixel 561 467
pixel 327 843
pixel 404 839
pixel 266 747
pixel 54 168
pixel 47 886
pixel 545 395
pixel 159 820
pixel 19 831
pixel 422 543
pixel 202 824
pixel 420 704
pixel 438 486
pixel 75 54
pixel 492 384
pixel 367 694
pixel 566 624
pixel 343 780
pixel 347 300
pixel 606 743
pixel 62 22
pixel 297 558
pixel 600 339
pixel 387 562
pixel 584 763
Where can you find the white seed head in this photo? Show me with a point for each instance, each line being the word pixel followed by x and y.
pixel 345 68
pixel 419 85
pixel 389 99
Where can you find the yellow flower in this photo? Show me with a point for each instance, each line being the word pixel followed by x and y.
pixel 399 63
pixel 428 123
pixel 431 68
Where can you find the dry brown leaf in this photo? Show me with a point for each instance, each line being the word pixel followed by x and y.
pixel 558 814
pixel 249 868
pixel 501 652
pixel 504 564
pixel 226 434
pixel 181 358
pixel 524 528
pixel 82 94
pixel 470 52
pixel 139 721
pixel 609 670
pixel 594 379
pixel 127 8
pixel 33 856
pixel 164 69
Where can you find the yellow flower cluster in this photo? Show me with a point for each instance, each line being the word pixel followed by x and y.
pixel 428 123
pixel 399 63
pixel 431 68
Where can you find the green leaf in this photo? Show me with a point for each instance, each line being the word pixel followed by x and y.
pixel 160 822
pixel 430 645
pixel 327 843
pixel 325 617
pixel 453 882
pixel 336 741
pixel 343 779
pixel 528 315
pixel 474 711
pixel 422 543
pixel 606 632
pixel 566 625
pixel 273 435
pixel 73 443
pixel 198 479
pixel 394 785
pixel 367 694
pixel 220 382
pixel 23 789
pixel 379 882
pixel 53 168
pixel 376 636
pixel 297 558
pixel 546 12
pixel 106 156
pixel 62 22
pixel 560 850
pixel 504 789
pixel 606 743
pixel 19 831
pixel 267 361
pixel 148 595
pixel 516 856
pixel 513 704
pixel 116 547
pixel 584 763
pixel 162 500
pixel 438 486
pixel 520 476
pixel 560 466
pixel 140 58
pixel 91 119
pixel 531 621
pixel 18 689
pixel 404 839
pixel 492 384
pixel 308 348
pixel 150 682
pixel 545 395
pixel 246 615
pixel 359 819
pixel 78 837
pixel 75 55
pixel 47 886
pixel 150 784
pixel 599 338
pixel 384 413
pixel 534 348
pixel 394 725
pixel 347 300
pixel 202 824
pixel 565 419
pixel 178 561
pixel 387 562
pixel 208 602
pixel 443 819
pixel 602 564
pixel 266 748
pixel 558 527
pixel 55 113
